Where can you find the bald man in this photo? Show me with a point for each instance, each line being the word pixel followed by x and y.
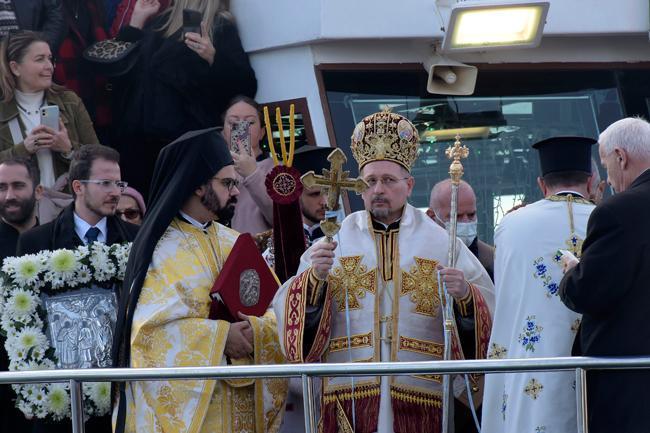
pixel 440 210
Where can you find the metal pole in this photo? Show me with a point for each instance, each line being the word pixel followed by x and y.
pixel 447 315
pixel 308 403
pixel 569 363
pixel 76 403
pixel 456 153
pixel 581 400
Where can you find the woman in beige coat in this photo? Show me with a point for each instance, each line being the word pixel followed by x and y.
pixel 26 70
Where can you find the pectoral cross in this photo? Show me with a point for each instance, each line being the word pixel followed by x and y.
pixel 334 181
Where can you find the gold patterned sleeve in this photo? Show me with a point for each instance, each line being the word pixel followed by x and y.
pixel 465 304
pixel 315 288
pixel 171 329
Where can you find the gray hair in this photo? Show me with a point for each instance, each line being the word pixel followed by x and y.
pixel 631 134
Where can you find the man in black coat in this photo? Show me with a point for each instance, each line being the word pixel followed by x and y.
pixel 96 184
pixel 610 285
pixel 20 189
pixel 19 192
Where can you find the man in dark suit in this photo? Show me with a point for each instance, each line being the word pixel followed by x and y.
pixel 96 185
pixel 610 284
pixel 19 192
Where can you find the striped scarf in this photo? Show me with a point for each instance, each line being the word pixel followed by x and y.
pixel 8 21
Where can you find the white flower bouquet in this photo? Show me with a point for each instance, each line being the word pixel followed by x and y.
pixel 22 320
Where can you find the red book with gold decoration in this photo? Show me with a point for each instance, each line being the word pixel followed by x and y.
pixel 245 284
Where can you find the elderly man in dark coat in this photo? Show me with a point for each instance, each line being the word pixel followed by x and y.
pixel 609 285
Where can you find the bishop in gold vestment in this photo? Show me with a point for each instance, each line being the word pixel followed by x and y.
pixel 380 298
pixel 169 325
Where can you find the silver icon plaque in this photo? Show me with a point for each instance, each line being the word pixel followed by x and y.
pixel 80 327
pixel 249 287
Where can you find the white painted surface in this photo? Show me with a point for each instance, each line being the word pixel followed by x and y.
pixel 268 24
pixel 288 73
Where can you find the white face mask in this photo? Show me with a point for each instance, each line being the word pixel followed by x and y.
pixel 466 232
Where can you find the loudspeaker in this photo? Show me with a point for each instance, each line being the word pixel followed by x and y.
pixel 449 77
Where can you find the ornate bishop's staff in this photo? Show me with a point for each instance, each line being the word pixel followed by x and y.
pixel 455 153
pixel 334 181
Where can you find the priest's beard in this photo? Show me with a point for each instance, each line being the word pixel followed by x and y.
pixel 224 213
pixel 25 208
pixel 382 212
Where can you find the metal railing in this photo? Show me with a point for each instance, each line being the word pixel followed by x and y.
pixel 307 371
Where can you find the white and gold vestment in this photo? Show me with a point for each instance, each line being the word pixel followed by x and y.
pixel 389 278
pixel 171 328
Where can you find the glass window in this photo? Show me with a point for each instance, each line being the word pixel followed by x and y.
pixel 509 111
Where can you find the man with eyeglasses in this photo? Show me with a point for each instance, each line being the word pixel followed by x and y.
pixel 96 186
pixel 372 295
pixel 165 320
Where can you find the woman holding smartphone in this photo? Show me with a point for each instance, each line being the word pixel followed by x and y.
pixel 182 80
pixel 27 92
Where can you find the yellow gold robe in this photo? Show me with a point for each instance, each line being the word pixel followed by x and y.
pixel 171 328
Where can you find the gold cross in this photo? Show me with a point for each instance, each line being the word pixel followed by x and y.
pixel 533 388
pixel 574 245
pixel 334 181
pixel 422 284
pixel 353 276
pixel 456 152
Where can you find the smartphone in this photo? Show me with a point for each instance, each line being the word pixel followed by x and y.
pixel 50 116
pixel 240 136
pixel 192 21
pixel 567 253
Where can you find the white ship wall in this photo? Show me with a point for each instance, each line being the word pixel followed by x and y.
pixel 287 38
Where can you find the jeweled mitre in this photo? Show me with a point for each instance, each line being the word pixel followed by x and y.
pixel 385 136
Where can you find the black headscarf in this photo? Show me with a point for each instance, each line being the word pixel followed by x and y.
pixel 181 168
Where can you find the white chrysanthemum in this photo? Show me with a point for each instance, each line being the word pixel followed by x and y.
pixel 100 394
pixel 111 269
pixel 21 303
pixel 40 411
pixel 9 265
pixel 26 408
pixel 30 337
pixel 63 262
pixel 27 269
pixel 81 253
pixel 27 390
pixel 99 262
pixel 16 355
pixel 58 400
pixel 99 249
pixel 38 352
pixel 84 275
pixel 46 364
pixel 7 321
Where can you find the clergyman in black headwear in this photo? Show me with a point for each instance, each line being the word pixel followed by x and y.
pixel 179 252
